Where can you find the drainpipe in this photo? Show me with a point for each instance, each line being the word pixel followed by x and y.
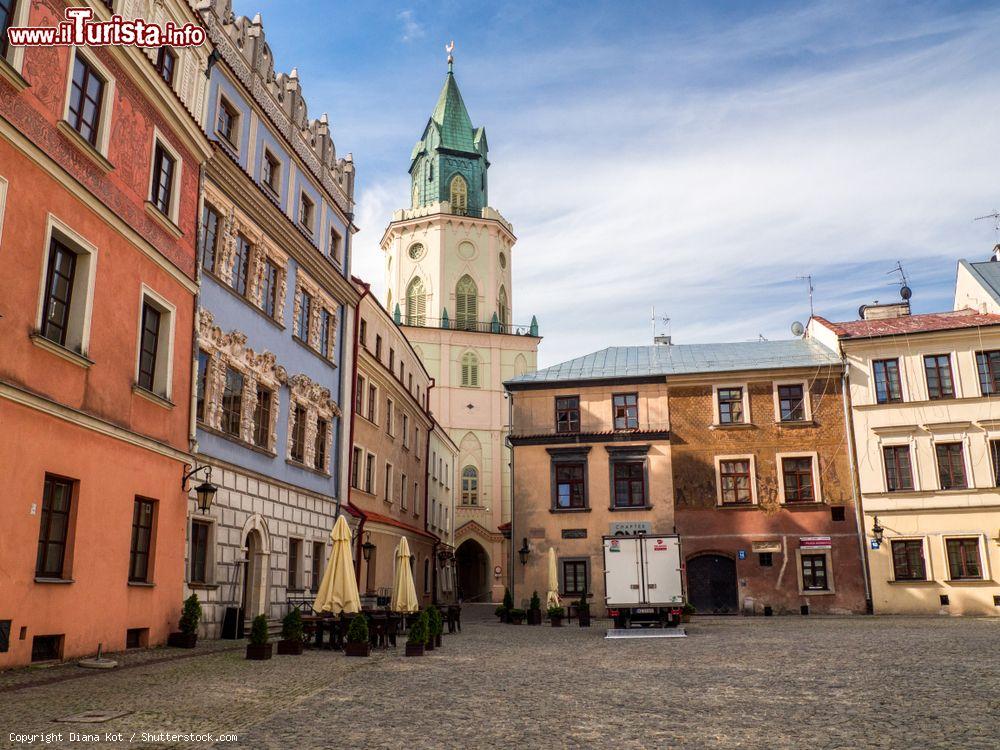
pixel 513 536
pixel 858 511
pixel 427 482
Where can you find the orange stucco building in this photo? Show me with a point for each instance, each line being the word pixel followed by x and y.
pixel 99 177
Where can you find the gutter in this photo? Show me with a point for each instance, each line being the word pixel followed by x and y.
pixel 858 511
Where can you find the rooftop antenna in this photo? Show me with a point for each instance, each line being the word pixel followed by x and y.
pixel 996 229
pixel 809 280
pixel 904 289
pixel 663 319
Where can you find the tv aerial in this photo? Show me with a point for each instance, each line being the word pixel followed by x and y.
pixel 904 289
pixel 809 281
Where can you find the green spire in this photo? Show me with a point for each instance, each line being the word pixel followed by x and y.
pixel 452 118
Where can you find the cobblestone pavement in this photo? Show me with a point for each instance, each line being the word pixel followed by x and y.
pixel 791 682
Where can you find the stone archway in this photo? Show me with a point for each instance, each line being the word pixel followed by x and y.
pixel 472 564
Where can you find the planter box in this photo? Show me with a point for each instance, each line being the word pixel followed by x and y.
pixel 556 621
pixel 414 649
pixel 357 649
pixel 289 648
pixel 516 619
pixel 584 619
pixel 429 646
pixel 259 653
pixel 534 617
pixel 182 640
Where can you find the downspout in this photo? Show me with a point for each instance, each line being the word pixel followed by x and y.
pixel 510 444
pixel 350 437
pixel 858 511
pixel 427 482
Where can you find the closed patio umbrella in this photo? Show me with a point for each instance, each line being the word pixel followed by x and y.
pixel 552 598
pixel 404 593
pixel 338 591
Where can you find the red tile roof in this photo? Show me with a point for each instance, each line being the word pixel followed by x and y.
pixel 926 323
pixel 390 521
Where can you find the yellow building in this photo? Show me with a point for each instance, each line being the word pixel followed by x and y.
pixel 926 431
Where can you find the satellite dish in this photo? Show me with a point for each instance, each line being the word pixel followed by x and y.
pixel 798 329
pixel 905 292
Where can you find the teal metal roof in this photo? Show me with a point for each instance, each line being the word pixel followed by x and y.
pixel 988 274
pixel 452 118
pixel 622 362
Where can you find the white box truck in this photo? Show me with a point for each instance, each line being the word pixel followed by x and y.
pixel 643 580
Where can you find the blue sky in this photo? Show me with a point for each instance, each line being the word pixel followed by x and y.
pixel 698 157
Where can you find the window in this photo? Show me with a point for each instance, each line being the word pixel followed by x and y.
pixel 951 466
pixel 86 100
pixel 735 479
pixel 459 195
pixel 466 304
pixel 359 396
pixel 988 365
pixel 575 581
pixel 270 169
pixel 503 309
pixel 7 10
pixel 898 470
pixel 372 402
pixel 730 401
pixel 335 244
pixel 305 313
pixel 317 565
pixel 241 265
pixel 908 560
pixel 963 559
pixel 995 454
pixel 203 360
pixel 405 429
pixel 814 573
pixel 269 289
pixel 392 359
pixel 470 370
pixel 388 416
pixel 626 411
pixel 416 303
pixel 567 414
pixel 299 435
pixel 791 403
pixel 164 165
pixel 387 485
pixel 765 559
pixel 416 498
pixel 59 283
pixel 356 468
pixel 319 452
pixel 294 548
pixel 938 370
pixel 470 486
pixel 571 485
pixel 232 402
pixel 416 251
pixel 54 529
pixel 166 62
pixel 888 386
pixel 363 332
pixel 210 235
pixel 378 347
pixel 370 473
pixel 629 484
pixel 325 331
pixel 199 551
pixel 262 417
pixel 306 210
pixel 149 337
pixel 142 534
pixel 227 122
pixel 402 492
pixel 797 474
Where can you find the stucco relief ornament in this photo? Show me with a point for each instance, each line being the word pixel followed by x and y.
pixel 768 498
pixel 249 407
pixel 282 292
pixel 309 454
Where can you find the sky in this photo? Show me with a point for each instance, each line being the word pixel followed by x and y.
pixel 696 158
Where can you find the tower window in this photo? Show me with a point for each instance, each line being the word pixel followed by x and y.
pixel 416 303
pixel 503 309
pixel 459 195
pixel 470 370
pixel 466 304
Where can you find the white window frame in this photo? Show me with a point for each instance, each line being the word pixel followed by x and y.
pixel 402 491
pixel 15 55
pixel 718 480
pixel 107 98
pixel 747 417
pixel 952 365
pixel 390 473
pixel 163 374
pixel 310 225
pixel 963 440
pixel 220 96
pixel 373 490
pixel 903 389
pixel 298 583
pixel 390 418
pixel 369 406
pixel 928 569
pixel 81 313
pixel 914 469
pixel 831 587
pixel 279 165
pixel 173 210
pixel 817 488
pixel 807 413
pixel 984 558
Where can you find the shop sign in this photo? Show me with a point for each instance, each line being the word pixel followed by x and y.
pixel 766 546
pixel 631 528
pixel 574 533
pixel 814 542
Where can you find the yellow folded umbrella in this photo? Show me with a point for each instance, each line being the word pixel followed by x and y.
pixel 552 598
pixel 338 591
pixel 404 593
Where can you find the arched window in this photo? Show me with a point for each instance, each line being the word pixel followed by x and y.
pixel 470 486
pixel 388 301
pixel 503 309
pixel 466 304
pixel 470 370
pixel 416 303
pixel 416 195
pixel 459 195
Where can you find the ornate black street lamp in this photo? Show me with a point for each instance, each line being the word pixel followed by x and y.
pixel 204 491
pixel 368 547
pixel 524 551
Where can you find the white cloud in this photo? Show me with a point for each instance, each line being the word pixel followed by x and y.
pixel 412 29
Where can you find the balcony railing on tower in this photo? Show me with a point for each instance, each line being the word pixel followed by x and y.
pixel 466 324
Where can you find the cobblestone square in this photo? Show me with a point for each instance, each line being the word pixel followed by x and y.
pixel 789 682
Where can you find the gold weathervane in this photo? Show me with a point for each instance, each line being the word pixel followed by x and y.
pixel 449 48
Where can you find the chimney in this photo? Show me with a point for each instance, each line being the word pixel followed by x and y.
pixel 875 311
pixel 662 341
pixel 996 253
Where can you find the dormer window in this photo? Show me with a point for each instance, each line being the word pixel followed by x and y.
pixel 306 211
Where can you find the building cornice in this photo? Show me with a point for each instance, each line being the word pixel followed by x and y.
pixel 444 219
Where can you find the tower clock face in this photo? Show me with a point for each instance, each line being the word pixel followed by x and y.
pixel 417 251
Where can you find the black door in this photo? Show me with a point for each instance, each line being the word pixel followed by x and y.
pixel 711 583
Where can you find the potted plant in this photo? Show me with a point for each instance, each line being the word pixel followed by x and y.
pixel 535 610
pixel 188 625
pixel 686 611
pixel 583 611
pixel 292 634
pixel 357 637
pixel 436 623
pixel 259 649
pixel 417 637
pixel 502 613
pixel 556 616
pixel 516 616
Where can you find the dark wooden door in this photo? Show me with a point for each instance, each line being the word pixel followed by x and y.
pixel 712 588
